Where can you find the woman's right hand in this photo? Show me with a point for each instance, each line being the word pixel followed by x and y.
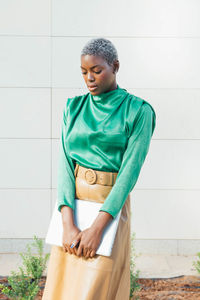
pixel 69 235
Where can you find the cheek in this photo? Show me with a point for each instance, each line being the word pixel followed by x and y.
pixel 105 77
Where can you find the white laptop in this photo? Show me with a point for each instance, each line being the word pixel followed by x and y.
pixel 84 214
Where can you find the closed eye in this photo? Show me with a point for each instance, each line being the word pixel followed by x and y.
pixel 97 72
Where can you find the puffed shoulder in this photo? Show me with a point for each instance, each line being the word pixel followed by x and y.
pixel 73 102
pixel 139 110
pixel 69 102
pixel 142 104
pixel 146 111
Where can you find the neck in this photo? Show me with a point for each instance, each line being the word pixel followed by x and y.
pixel 112 88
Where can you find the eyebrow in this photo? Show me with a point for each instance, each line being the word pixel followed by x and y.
pixel 91 67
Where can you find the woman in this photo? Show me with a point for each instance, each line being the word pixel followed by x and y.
pixel 106 134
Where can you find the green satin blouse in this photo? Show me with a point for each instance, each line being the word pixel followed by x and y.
pixel 109 132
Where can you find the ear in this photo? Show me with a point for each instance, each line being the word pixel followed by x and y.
pixel 115 66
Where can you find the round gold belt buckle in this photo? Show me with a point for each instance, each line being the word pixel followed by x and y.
pixel 90 176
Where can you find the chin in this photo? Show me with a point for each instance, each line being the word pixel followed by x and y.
pixel 94 93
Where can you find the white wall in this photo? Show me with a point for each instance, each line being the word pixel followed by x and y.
pixel 158 44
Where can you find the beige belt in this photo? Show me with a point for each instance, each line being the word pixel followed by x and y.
pixel 94 176
pixel 93 185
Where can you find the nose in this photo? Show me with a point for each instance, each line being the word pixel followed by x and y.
pixel 90 77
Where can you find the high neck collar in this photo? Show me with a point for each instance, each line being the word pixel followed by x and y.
pixel 104 96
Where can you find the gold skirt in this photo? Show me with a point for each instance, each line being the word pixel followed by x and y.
pixel 70 277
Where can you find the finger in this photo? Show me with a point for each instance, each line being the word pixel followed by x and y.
pixel 63 245
pixel 80 249
pixel 74 250
pixel 76 247
pixel 88 253
pixel 71 250
pixel 65 249
pixel 68 249
pixel 75 240
pixel 85 250
pixel 92 254
pixel 73 247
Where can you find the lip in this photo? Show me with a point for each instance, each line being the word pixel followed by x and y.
pixel 92 87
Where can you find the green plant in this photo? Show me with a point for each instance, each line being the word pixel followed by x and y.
pixel 35 265
pixel 134 274
pixel 21 286
pixel 24 284
pixel 197 263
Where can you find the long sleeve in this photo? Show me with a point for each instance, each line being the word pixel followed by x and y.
pixel 66 178
pixel 133 159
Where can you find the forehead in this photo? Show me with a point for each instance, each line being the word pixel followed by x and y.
pixel 91 60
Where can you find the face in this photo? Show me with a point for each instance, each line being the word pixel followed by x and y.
pixel 99 76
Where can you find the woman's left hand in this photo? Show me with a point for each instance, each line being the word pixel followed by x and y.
pixel 90 239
